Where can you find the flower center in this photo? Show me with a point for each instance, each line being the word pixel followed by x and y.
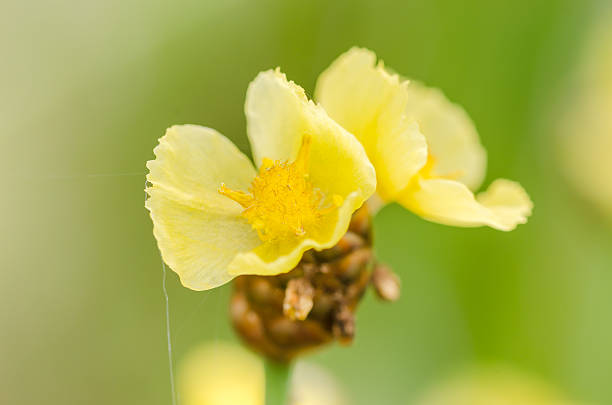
pixel 281 201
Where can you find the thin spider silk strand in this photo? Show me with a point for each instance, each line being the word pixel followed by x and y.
pixel 168 336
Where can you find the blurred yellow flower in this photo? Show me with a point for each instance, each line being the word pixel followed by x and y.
pixel 221 374
pixel 586 125
pixel 226 374
pixel 313 385
pixel 425 149
pixel 215 217
pixel 493 387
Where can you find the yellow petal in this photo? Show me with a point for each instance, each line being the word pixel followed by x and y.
pixel 451 135
pixel 503 206
pixel 371 104
pixel 221 374
pixel 199 232
pixel 278 116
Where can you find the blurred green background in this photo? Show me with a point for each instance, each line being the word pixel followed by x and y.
pixel 88 88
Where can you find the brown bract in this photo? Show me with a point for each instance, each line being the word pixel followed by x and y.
pixel 314 304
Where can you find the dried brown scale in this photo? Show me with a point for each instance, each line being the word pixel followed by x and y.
pixel 282 316
pixel 298 298
pixel 386 283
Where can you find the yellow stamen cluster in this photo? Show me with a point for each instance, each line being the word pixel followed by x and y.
pixel 281 201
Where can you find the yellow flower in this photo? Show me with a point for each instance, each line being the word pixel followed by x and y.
pixel 425 149
pixel 226 374
pixel 585 127
pixel 221 374
pixel 493 386
pixel 215 217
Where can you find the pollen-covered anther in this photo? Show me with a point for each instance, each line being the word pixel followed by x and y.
pixel 282 202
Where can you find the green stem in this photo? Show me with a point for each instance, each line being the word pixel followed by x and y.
pixel 277 382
